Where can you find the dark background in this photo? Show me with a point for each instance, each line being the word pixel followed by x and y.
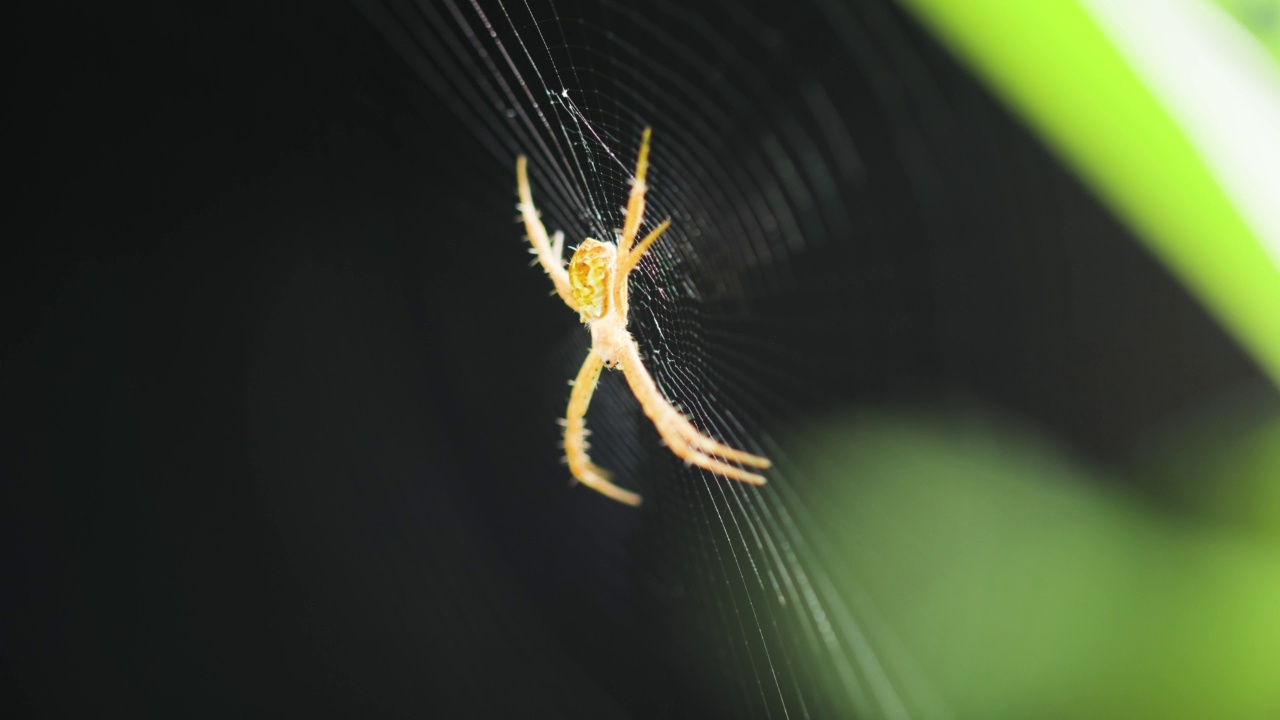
pixel 278 431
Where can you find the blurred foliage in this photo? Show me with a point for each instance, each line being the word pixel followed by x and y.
pixel 1016 582
pixel 1022 585
pixel 1053 64
pixel 1260 17
pixel 1223 468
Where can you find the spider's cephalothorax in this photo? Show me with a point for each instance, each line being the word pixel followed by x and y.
pixel 595 284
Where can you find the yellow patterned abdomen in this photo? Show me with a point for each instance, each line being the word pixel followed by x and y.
pixel 589 271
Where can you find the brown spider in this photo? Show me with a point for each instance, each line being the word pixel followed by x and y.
pixel 595 285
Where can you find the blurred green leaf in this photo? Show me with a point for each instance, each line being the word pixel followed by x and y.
pixel 1021 587
pixel 1053 64
pixel 1260 17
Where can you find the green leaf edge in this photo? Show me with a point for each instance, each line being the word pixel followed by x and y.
pixel 1051 62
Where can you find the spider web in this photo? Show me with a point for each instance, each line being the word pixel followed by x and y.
pixel 800 152
pixel 772 299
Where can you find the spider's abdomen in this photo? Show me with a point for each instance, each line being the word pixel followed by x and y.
pixel 589 274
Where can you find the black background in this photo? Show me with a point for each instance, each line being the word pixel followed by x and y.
pixel 277 435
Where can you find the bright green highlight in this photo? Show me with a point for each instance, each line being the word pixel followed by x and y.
pixel 1054 65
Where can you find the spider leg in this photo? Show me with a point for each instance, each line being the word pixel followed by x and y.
pixel 549 251
pixel 635 203
pixel 634 258
pixel 682 438
pixel 557 247
pixel 702 460
pixel 701 442
pixel 575 431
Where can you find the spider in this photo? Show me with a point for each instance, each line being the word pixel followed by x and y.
pixel 595 285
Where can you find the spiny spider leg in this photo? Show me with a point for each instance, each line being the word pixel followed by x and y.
pixel 575 441
pixel 548 251
pixel 681 437
pixel 634 258
pixel 635 203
